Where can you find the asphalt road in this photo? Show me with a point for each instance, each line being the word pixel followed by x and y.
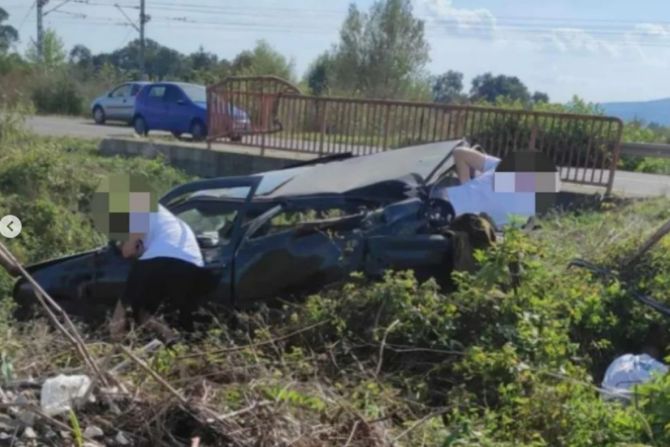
pixel 630 184
pixel 61 126
pixel 58 126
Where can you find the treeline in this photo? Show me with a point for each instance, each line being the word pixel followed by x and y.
pixel 381 53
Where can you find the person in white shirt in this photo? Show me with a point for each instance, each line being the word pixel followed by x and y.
pixel 477 194
pixel 169 270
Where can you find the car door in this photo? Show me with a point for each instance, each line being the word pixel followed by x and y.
pixel 128 103
pixel 216 210
pixel 282 254
pixel 109 272
pixel 155 110
pixel 178 109
pixel 116 101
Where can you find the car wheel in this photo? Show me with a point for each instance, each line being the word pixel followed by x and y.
pixel 198 131
pixel 140 126
pixel 99 115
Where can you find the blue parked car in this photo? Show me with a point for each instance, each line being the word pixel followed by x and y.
pixel 179 108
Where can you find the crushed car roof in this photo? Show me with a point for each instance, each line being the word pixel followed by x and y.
pixel 341 177
pixel 382 176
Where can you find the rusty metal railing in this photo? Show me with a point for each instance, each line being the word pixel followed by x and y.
pixel 584 147
pixel 241 106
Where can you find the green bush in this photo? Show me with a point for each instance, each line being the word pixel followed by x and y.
pixel 648 165
pixel 57 94
pixel 514 355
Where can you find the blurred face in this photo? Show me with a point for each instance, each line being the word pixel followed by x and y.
pixel 528 173
pixel 121 208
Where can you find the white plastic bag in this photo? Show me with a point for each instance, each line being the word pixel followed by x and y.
pixel 627 371
pixel 63 393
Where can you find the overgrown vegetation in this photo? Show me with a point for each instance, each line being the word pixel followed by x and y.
pixel 48 182
pixel 513 357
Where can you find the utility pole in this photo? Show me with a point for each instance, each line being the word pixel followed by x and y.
pixel 41 13
pixel 40 28
pixel 143 21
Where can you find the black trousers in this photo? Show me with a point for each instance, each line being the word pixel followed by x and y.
pixel 177 286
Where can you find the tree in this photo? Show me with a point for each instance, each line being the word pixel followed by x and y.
pixel 161 62
pixel 242 62
pixel 539 97
pixel 127 58
pixel 448 87
pixel 202 60
pixel 81 56
pixel 488 88
pixel 205 67
pixel 8 34
pixel 263 60
pixel 348 57
pixel 319 74
pixel 382 53
pixel 108 74
pixel 12 62
pixel 167 63
pixel 53 51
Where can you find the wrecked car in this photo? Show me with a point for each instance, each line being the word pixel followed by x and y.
pixel 286 232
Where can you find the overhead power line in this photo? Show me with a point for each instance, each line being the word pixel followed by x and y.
pixel 297 14
pixel 287 20
pixel 452 24
pixel 226 9
pixel 139 27
pixel 41 13
pixel 25 18
pixel 632 39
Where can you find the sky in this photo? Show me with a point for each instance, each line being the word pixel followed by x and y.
pixel 600 50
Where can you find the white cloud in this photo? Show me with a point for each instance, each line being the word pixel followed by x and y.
pixel 576 40
pixel 649 41
pixel 442 14
pixel 646 42
pixel 651 30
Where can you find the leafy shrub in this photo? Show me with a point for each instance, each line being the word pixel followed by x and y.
pixel 650 165
pixel 57 93
pixel 12 121
pixel 513 355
